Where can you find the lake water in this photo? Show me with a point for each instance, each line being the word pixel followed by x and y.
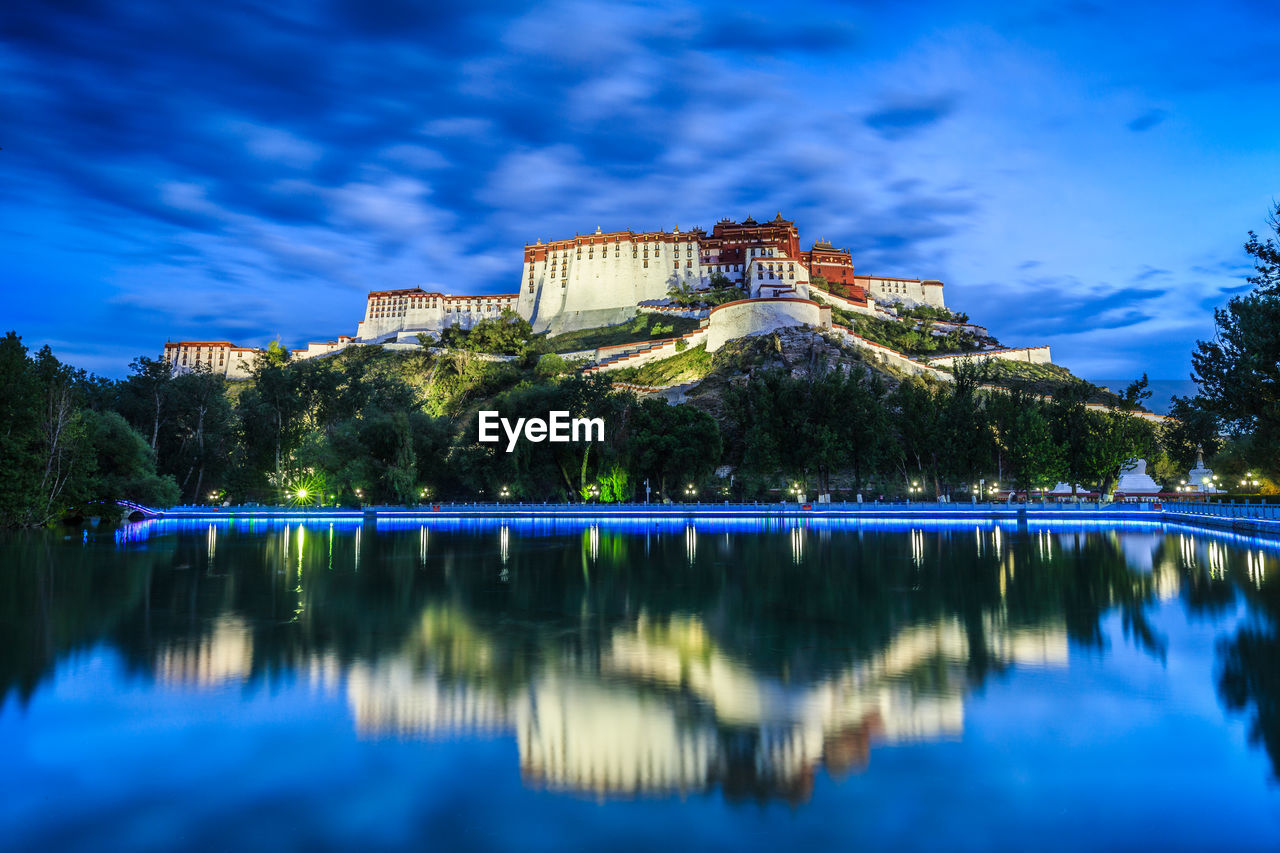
pixel 554 686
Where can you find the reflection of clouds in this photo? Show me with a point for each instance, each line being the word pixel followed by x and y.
pixel 223 657
pixel 664 710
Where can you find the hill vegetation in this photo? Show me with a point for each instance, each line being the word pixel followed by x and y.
pixel 645 327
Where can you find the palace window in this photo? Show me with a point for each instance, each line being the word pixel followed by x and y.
pixel 646 263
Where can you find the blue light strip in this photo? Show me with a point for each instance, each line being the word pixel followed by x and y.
pixel 727 517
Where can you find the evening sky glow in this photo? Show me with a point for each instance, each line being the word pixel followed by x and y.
pixel 1079 175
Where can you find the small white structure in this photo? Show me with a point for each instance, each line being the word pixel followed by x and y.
pixel 1135 480
pixel 1200 478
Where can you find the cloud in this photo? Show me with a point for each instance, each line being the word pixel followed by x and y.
pixel 899 120
pixel 1149 273
pixel 168 165
pixel 1147 120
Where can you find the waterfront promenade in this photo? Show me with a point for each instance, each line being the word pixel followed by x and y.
pixel 1242 517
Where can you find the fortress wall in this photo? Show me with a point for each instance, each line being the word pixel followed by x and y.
pixel 674 311
pixel 912 291
pixel 563 289
pixel 887 355
pixel 1030 355
pixel 759 316
pixel 868 308
pixel 635 355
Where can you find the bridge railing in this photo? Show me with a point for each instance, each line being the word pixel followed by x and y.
pixel 1224 510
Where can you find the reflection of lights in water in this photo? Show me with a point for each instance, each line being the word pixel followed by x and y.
pixel 302 540
pixel 1166 581
pixel 357 557
pixel 1255 567
pixel 330 546
pixel 1044 545
pixel 797 545
pixel 211 540
pixel 504 543
pixel 593 542
pixel 422 545
pixel 977 537
pixel 996 539
pixel 1187 550
pixel 917 547
pixel 691 542
pixel 1217 561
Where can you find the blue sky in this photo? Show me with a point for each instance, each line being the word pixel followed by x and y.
pixel 1079 174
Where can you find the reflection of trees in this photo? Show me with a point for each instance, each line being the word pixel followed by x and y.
pixel 1251 677
pixel 762 655
pixel 1249 660
pixel 56 598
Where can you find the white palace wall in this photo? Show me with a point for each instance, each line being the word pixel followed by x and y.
pixel 912 291
pixel 1030 355
pixel 598 284
pixel 748 317
pixel 390 312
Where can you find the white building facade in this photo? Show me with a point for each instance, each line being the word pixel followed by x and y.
pixel 599 279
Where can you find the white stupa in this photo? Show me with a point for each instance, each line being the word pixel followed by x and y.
pixel 1200 477
pixel 1135 480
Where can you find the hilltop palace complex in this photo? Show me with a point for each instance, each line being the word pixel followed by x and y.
pixel 602 279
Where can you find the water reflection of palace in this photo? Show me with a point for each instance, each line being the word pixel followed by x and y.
pixel 664 711
pixel 656 704
pixel 224 657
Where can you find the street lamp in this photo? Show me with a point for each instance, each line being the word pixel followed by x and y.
pixel 690 492
pixel 504 493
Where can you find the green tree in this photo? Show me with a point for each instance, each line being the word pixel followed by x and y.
pixel 1075 428
pixel 671 445
pixel 918 431
pixel 965 429
pixel 143 398
pixel 19 431
pixel 1192 428
pixel 1032 459
pixel 124 467
pixel 1239 370
pixel 1120 437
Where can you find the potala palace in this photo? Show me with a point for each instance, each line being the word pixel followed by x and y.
pixel 606 278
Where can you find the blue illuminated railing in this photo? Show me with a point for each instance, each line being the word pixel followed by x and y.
pixel 1226 510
